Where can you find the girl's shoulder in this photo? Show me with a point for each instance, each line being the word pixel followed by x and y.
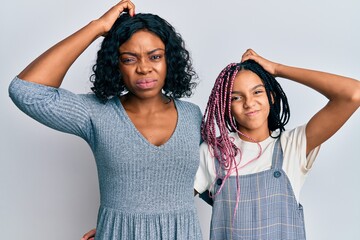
pixel 293 136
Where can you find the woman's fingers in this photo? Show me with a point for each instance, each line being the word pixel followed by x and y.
pixel 128 6
pixel 108 19
pixel 90 235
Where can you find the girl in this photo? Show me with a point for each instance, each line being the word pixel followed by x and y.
pixel 145 141
pixel 253 168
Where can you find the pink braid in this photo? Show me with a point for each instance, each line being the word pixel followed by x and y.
pixel 218 117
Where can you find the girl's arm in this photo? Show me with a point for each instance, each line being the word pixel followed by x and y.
pixel 343 94
pixel 50 68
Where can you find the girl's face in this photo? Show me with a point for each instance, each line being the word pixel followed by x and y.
pixel 250 106
pixel 143 64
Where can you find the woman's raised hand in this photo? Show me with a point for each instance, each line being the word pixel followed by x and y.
pixel 50 67
pixel 266 64
pixel 107 19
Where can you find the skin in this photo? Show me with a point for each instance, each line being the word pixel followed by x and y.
pixel 146 107
pixel 143 65
pixel 342 92
pixel 50 67
pixel 142 58
pixel 151 112
pixel 248 96
pixel 250 105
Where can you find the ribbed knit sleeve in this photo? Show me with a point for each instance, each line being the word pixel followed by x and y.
pixel 54 107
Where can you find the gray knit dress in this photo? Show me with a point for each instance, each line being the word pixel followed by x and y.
pixel 146 191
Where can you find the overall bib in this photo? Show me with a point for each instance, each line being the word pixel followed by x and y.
pixel 267 209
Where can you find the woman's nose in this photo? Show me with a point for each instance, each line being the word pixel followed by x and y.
pixel 143 67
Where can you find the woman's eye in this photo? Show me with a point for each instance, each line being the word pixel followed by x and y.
pixel 155 57
pixel 258 92
pixel 127 60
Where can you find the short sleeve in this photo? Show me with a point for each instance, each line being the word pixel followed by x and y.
pixel 296 164
pixel 203 177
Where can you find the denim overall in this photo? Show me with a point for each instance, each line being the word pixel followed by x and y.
pixel 267 209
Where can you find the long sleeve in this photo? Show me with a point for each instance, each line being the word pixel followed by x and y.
pixel 54 107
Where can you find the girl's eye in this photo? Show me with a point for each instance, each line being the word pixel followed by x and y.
pixel 258 92
pixel 236 98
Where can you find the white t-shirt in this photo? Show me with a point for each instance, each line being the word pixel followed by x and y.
pixel 295 164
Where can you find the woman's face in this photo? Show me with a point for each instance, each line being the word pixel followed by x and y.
pixel 143 64
pixel 250 105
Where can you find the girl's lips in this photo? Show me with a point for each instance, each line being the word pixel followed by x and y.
pixel 252 113
pixel 146 83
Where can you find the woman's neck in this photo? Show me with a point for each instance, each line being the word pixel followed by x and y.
pixel 135 104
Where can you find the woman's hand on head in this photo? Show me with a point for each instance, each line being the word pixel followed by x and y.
pixel 108 19
pixel 266 64
pixel 90 235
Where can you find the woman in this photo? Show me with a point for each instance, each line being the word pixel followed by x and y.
pixel 144 140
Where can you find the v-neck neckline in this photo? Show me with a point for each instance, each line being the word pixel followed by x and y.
pixel 140 135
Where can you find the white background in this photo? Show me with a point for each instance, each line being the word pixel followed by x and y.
pixel 48 179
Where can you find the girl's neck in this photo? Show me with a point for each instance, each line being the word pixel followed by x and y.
pixel 254 136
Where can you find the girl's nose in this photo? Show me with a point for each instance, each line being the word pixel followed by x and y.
pixel 249 102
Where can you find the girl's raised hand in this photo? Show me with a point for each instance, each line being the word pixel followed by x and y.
pixel 266 64
pixel 107 19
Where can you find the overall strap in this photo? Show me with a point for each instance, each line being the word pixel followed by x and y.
pixel 277 159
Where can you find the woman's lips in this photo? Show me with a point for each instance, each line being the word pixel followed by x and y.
pixel 146 83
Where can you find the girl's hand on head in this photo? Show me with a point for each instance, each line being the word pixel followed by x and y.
pixel 266 64
pixel 108 19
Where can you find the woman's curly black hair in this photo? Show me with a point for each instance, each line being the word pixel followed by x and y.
pixel 107 78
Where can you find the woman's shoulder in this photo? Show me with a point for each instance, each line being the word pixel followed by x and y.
pixel 180 102
pixel 90 98
pixel 97 107
pixel 189 107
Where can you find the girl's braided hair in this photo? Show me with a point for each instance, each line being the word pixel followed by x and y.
pixel 218 121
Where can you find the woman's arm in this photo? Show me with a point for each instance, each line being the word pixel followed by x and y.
pixel 343 94
pixel 50 67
